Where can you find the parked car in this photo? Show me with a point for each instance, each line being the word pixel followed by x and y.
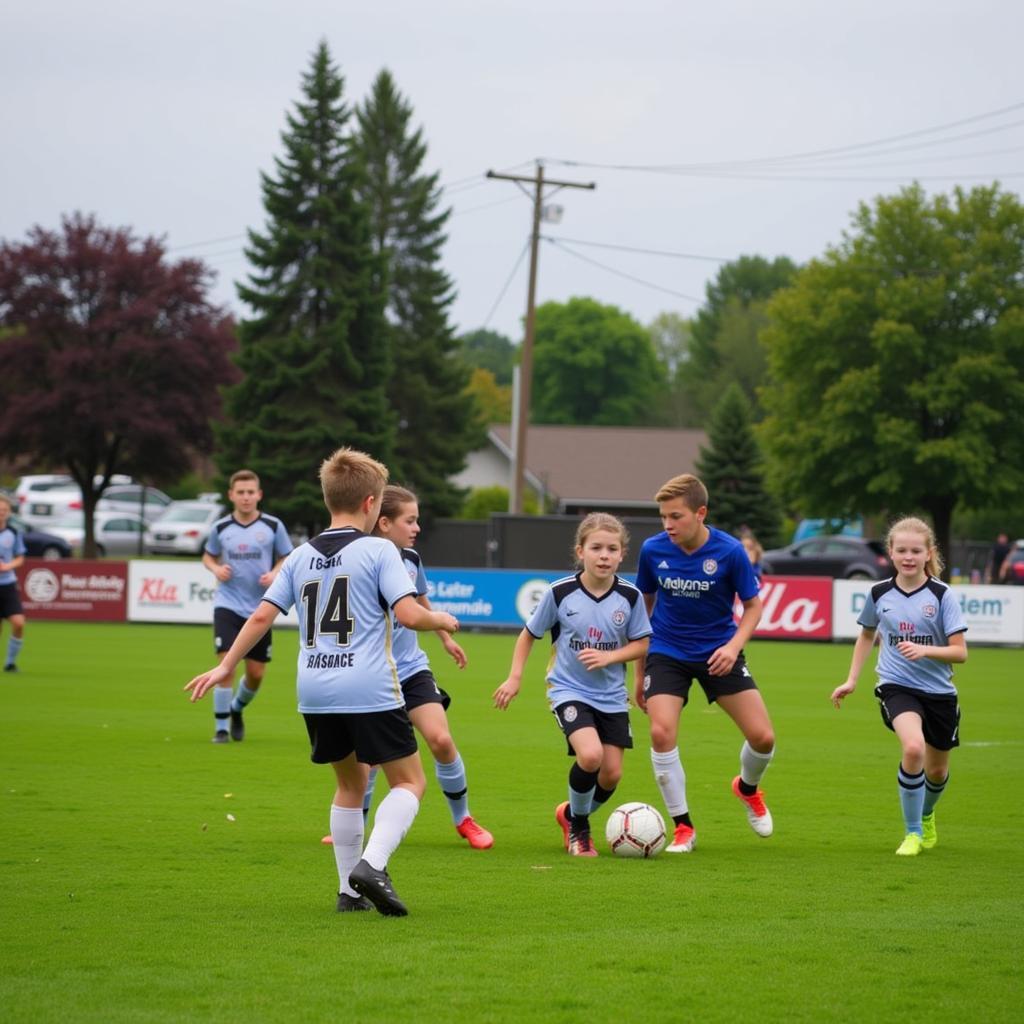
pixel 28 488
pixel 39 544
pixel 183 527
pixel 851 558
pixel 116 533
pixel 45 507
pixel 1013 567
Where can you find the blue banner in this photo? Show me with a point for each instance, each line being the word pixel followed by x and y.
pixel 488 597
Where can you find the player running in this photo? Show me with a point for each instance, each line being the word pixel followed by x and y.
pixel 922 635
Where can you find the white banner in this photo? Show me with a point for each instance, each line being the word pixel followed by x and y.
pixel 175 591
pixel 994 615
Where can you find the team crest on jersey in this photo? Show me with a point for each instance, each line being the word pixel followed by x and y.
pixel 928 611
pixel 618 617
pixel 710 567
pixel 570 713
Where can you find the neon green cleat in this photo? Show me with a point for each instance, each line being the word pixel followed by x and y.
pixel 911 845
pixel 931 836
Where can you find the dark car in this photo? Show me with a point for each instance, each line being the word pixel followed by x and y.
pixel 850 558
pixel 39 544
pixel 1013 567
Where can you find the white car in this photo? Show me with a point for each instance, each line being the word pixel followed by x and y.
pixel 116 533
pixel 183 528
pixel 44 507
pixel 30 488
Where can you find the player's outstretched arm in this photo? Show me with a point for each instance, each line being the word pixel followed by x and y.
pixel 504 694
pixel 411 614
pixel 457 654
pixel 861 650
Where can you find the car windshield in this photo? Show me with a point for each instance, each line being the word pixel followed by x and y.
pixel 186 515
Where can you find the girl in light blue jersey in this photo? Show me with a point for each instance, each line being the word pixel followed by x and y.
pixel 598 622
pixel 921 635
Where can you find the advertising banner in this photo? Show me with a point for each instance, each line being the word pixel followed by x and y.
pixel 795 608
pixel 73 590
pixel 169 591
pixel 994 615
pixel 488 597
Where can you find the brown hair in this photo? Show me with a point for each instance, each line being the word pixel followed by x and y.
pixel 686 486
pixel 392 500
pixel 746 533
pixel 911 524
pixel 6 500
pixel 600 521
pixel 242 474
pixel 348 477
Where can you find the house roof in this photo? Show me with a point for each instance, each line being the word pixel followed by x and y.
pixel 604 465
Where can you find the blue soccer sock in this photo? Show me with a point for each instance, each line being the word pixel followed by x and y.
pixel 14 645
pixel 371 780
pixel 221 706
pixel 911 799
pixel 243 696
pixel 452 779
pixel 932 792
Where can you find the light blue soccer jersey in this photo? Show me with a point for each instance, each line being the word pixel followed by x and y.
pixel 577 619
pixel 693 613
pixel 927 616
pixel 409 656
pixel 12 544
pixel 250 549
pixel 344 585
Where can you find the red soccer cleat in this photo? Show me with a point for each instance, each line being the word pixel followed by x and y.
pixel 477 837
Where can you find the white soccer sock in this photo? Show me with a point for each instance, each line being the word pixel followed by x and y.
pixel 393 819
pixel 671 779
pixel 752 764
pixel 347 834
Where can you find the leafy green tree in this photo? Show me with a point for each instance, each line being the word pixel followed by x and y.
pixel 492 351
pixel 670 336
pixel 427 389
pixel 493 403
pixel 482 501
pixel 732 469
pixel 315 352
pixel 724 345
pixel 897 362
pixel 593 364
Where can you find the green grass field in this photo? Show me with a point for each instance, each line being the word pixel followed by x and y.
pixel 129 895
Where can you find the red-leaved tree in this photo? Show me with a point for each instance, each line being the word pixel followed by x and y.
pixel 112 356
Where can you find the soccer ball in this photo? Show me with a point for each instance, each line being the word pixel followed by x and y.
pixel 635 830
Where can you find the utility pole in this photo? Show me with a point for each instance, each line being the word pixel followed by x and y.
pixel 522 419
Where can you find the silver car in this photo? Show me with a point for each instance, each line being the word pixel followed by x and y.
pixel 116 533
pixel 183 528
pixel 43 508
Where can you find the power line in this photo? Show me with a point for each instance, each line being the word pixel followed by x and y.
pixel 630 248
pixel 504 287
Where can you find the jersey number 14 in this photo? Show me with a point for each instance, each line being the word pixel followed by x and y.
pixel 335 620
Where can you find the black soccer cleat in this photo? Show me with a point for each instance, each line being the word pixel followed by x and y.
pixel 221 736
pixel 10 667
pixel 377 888
pixel 347 904
pixel 237 727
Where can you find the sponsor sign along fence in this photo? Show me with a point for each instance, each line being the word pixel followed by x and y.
pixel 794 608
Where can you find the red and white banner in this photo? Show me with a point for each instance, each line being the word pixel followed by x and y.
pixel 794 608
pixel 74 590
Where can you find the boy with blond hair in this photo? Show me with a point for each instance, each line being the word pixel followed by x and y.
pixel 345 585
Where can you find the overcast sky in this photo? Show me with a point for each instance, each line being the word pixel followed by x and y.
pixel 160 116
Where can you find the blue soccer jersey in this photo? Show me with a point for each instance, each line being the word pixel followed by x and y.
pixel 251 549
pixel 577 619
pixel 927 616
pixel 344 585
pixel 409 656
pixel 12 544
pixel 693 610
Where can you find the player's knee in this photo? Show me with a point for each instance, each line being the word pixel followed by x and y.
pixel 589 760
pixel 663 736
pixel 442 746
pixel 611 777
pixel 762 740
pixel 913 752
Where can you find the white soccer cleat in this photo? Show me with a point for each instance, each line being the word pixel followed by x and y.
pixel 684 840
pixel 758 815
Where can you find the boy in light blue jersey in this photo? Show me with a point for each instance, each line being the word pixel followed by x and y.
pixel 12 555
pixel 922 635
pixel 598 622
pixel 690 576
pixel 244 551
pixel 345 586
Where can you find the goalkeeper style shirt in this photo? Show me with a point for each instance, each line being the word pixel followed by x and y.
pixel 928 616
pixel 251 549
pixel 344 585
pixel 693 611
pixel 577 619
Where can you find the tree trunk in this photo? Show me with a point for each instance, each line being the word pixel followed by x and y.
pixel 941 510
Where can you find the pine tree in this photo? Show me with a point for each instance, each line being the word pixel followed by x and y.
pixel 731 468
pixel 315 353
pixel 436 422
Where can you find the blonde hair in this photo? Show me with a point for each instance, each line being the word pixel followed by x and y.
pixel 348 477
pixel 391 502
pixel 600 521
pixel 746 533
pixel 686 486
pixel 6 500
pixel 911 524
pixel 242 474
